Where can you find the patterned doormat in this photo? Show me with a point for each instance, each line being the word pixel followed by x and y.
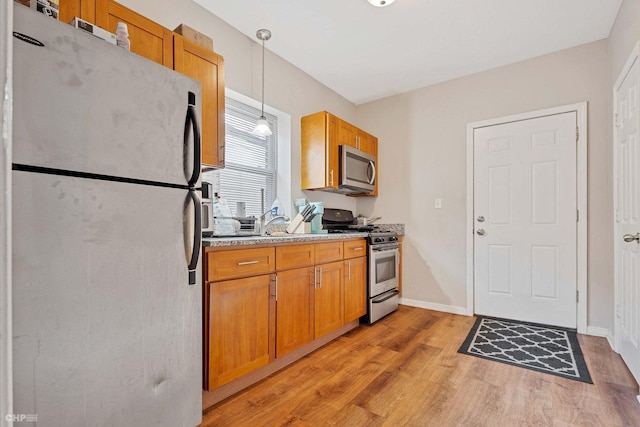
pixel 549 349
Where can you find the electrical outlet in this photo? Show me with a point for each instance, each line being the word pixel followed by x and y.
pixel 438 203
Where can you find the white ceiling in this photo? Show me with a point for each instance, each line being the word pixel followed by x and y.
pixel 365 53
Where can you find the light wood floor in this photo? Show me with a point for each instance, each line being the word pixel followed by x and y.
pixel 405 371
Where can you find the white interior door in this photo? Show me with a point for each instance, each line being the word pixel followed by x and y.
pixel 627 176
pixel 525 207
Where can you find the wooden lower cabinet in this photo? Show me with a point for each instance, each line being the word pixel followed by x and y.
pixel 355 288
pixel 241 318
pixel 329 297
pixel 295 312
pixel 252 321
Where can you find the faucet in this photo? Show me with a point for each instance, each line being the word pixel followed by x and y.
pixel 262 225
pixel 263 229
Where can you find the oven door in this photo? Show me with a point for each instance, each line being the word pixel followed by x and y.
pixel 383 269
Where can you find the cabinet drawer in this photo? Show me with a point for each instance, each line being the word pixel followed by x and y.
pixel 294 256
pixel 328 252
pixel 355 249
pixel 240 263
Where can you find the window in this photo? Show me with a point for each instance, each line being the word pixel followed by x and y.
pixel 250 160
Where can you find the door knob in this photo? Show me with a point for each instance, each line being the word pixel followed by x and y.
pixel 481 232
pixel 632 237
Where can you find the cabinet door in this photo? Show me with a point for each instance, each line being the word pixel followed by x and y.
pixel 329 298
pixel 355 288
pixel 347 134
pixel 241 319
pixel 148 39
pixel 366 142
pixel 319 151
pixel 295 316
pixel 84 9
pixel 203 65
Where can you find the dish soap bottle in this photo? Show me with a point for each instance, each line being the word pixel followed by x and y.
pixel 276 208
pixel 122 36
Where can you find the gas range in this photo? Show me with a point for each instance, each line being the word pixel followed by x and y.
pixel 382 237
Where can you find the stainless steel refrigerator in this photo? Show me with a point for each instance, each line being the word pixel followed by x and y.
pixel 106 233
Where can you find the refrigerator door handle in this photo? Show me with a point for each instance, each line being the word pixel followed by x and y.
pixel 191 124
pixel 197 236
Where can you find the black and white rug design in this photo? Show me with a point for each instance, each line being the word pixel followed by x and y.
pixel 541 348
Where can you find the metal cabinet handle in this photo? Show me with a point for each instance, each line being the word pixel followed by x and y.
pixel 349 270
pixel 274 279
pixel 248 262
pixel 632 237
pixel 331 179
pixel 480 218
pixel 481 232
pixel 359 248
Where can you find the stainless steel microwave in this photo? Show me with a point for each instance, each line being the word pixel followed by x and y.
pixel 357 171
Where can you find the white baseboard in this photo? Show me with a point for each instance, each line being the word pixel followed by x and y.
pixel 434 306
pixel 597 331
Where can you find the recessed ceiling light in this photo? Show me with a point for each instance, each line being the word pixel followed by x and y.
pixel 380 3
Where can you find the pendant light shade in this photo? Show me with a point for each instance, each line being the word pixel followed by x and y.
pixel 262 126
pixel 380 3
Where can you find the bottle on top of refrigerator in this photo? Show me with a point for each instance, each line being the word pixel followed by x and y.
pixel 122 36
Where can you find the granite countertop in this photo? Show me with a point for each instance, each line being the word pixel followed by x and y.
pixel 286 238
pixel 292 238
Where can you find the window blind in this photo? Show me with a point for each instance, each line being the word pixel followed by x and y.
pixel 250 160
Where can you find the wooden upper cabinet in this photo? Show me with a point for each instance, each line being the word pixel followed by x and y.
pixel 347 134
pixel 207 67
pixel 367 143
pixel 319 152
pixel 148 38
pixel 322 134
pixel 83 9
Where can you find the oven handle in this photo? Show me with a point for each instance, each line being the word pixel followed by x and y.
pixel 385 247
pixel 386 295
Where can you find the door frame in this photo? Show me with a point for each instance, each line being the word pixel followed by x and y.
pixel 633 56
pixel 581 192
pixel 6 85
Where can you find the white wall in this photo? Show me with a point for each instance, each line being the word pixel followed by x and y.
pixel 422 148
pixel 287 88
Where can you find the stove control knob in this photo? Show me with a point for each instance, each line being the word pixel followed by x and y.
pixel 378 240
pixel 393 239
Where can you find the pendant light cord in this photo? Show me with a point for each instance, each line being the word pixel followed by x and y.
pixel 262 77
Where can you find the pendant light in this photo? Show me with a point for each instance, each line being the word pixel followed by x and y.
pixel 262 126
pixel 380 3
